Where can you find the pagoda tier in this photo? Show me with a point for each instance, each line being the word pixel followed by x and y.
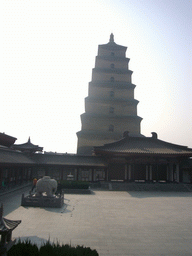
pixel 110 108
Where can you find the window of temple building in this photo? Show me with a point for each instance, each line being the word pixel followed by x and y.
pixel 112 53
pixel 112 94
pixel 112 65
pixel 111 128
pixel 99 174
pixel 111 110
pixel 85 174
pixel 112 79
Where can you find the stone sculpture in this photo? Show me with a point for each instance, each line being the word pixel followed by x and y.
pixel 46 185
pixel 45 195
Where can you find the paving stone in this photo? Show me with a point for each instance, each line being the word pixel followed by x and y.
pixel 113 222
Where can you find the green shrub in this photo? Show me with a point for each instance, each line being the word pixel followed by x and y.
pixel 74 184
pixel 26 248
pixel 47 250
pixel 85 251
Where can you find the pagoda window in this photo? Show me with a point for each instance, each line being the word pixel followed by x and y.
pixel 111 128
pixel 111 110
pixel 112 53
pixel 112 79
pixel 112 94
pixel 112 65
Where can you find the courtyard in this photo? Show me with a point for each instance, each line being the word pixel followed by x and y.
pixel 116 223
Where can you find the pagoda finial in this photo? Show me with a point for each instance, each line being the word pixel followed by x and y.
pixel 111 38
pixel 29 140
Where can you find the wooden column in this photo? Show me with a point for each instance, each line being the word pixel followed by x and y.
pixel 177 173
pixel 150 172
pixel 107 174
pixel 77 173
pixel 61 173
pixel 92 169
pixel 22 174
pixel 1 177
pixel 14 175
pixel 170 172
pixel 147 172
pixel 167 172
pixel 157 171
pixel 129 172
pixel 133 171
pixel 9 177
pixel 105 170
pixel 125 172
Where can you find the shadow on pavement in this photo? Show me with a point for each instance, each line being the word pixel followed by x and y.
pixel 12 200
pixel 145 194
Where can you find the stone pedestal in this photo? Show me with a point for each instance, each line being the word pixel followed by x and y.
pixel 43 201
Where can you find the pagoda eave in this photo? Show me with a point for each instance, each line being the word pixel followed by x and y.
pixel 112 71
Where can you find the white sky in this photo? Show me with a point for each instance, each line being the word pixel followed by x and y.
pixel 48 51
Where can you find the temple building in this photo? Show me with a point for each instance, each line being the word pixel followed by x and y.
pixel 110 108
pixel 145 159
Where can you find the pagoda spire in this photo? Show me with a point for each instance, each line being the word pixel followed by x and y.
pixel 111 40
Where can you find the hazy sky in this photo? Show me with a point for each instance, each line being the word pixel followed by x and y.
pixel 48 51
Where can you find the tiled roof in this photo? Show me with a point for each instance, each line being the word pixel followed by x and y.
pixel 6 140
pixel 27 146
pixel 8 156
pixel 67 159
pixel 143 145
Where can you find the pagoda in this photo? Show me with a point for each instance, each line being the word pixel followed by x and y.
pixel 110 108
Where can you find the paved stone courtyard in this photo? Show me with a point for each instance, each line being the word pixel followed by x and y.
pixel 113 223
